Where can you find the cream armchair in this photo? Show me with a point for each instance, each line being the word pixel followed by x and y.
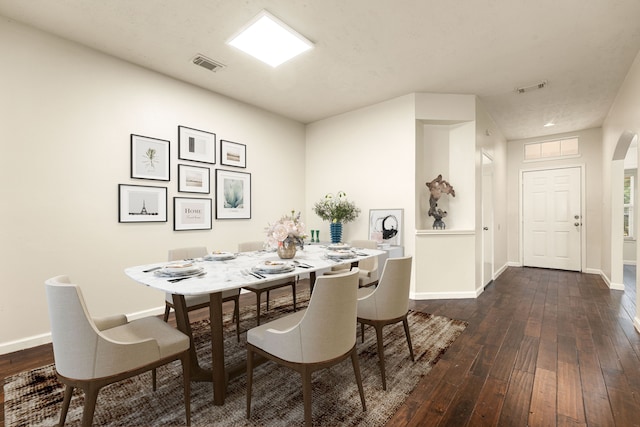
pixel 321 336
pixel 259 288
pixel 195 302
pixel 387 303
pixel 91 354
pixel 368 267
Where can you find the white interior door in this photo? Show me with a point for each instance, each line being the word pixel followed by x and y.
pixel 487 220
pixel 552 218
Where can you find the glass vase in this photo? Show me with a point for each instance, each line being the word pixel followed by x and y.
pixel 336 232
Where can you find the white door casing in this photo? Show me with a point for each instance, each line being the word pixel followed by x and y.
pixel 552 218
pixel 487 220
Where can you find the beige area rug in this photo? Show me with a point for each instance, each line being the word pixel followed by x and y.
pixel 33 398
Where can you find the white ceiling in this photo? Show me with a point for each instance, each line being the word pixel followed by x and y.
pixel 367 51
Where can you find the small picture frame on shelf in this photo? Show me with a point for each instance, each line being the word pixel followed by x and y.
pixel 149 158
pixel 385 226
pixel 233 154
pixel 142 203
pixel 233 194
pixel 191 214
pixel 196 145
pixel 194 179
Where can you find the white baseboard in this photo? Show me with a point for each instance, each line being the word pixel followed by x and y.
pixel 36 340
pixel 443 295
pixel 636 323
pixel 610 284
pixel 501 270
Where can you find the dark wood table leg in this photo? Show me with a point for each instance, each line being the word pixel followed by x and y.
pixel 217 349
pixel 197 373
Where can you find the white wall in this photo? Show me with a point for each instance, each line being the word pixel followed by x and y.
pixel 590 144
pixel 67 115
pixel 623 118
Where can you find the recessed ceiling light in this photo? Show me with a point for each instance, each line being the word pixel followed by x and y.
pixel 270 40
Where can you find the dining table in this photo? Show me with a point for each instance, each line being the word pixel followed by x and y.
pixel 221 271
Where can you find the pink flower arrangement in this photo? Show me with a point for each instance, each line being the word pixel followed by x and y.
pixel 287 229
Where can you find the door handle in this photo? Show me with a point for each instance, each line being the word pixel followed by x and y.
pixel 485 228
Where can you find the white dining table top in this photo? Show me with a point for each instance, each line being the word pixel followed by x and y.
pixel 235 273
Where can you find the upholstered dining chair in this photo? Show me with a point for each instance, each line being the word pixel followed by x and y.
pixel 259 288
pixel 92 353
pixel 368 267
pixel 195 302
pixel 318 337
pixel 386 304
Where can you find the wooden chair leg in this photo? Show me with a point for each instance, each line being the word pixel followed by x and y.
pixel 167 310
pixel 362 331
pixel 154 379
pixel 405 323
pixel 90 398
pixel 293 287
pixel 236 314
pixel 381 355
pixel 68 392
pixel 258 305
pixel 249 380
pixel 356 370
pixel 186 384
pixel 268 300
pixel 306 394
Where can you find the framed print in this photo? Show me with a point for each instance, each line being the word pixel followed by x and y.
pixel 191 214
pixel 233 194
pixel 385 226
pixel 196 145
pixel 149 158
pixel 233 154
pixel 141 203
pixel 194 179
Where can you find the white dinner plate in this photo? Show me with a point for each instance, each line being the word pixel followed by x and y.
pixel 179 269
pixel 338 246
pixel 220 256
pixel 274 267
pixel 341 254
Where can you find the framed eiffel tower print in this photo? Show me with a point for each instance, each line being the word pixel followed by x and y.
pixel 142 203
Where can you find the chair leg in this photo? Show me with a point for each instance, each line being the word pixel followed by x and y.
pixel 406 332
pixel 356 370
pixel 306 394
pixel 90 398
pixel 381 355
pixel 293 287
pixel 362 331
pixel 186 384
pixel 154 379
pixel 236 314
pixel 258 305
pixel 68 392
pixel 268 300
pixel 167 310
pixel 249 380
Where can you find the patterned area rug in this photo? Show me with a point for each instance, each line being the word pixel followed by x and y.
pixel 33 398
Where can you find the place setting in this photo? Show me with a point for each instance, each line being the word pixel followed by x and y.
pixel 220 256
pixel 178 271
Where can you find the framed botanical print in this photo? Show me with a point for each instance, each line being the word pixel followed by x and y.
pixel 233 194
pixel 194 179
pixel 141 203
pixel 191 213
pixel 196 145
pixel 149 158
pixel 233 154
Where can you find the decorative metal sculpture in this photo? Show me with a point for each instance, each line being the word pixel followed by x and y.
pixel 438 187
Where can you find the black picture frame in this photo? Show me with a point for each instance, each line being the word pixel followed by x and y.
pixel 194 179
pixel 233 194
pixel 233 154
pixel 191 213
pixel 150 158
pixel 196 145
pixel 142 203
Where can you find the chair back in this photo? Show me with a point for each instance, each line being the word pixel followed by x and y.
pixel 328 327
pixel 392 293
pixel 74 335
pixel 256 245
pixel 369 264
pixel 187 253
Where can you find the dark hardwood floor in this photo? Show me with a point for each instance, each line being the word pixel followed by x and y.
pixel 543 348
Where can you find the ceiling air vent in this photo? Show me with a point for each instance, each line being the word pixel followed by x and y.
pixel 207 63
pixel 540 85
